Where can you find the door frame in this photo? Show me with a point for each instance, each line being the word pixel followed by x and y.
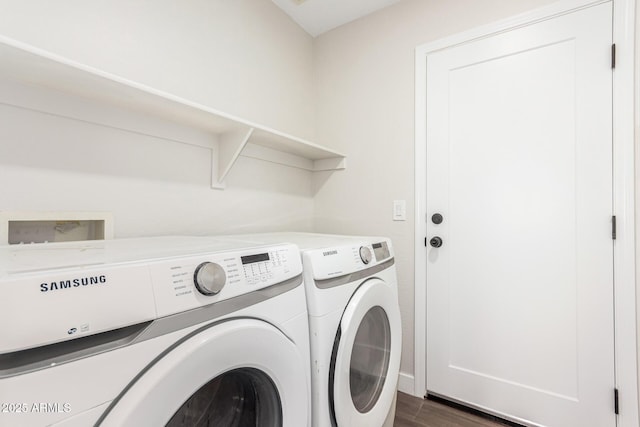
pixel 626 362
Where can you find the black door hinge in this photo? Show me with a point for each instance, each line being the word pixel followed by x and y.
pixel 613 56
pixel 425 242
pixel 616 405
pixel 613 227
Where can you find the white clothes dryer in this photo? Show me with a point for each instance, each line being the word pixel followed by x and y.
pixel 355 326
pixel 153 332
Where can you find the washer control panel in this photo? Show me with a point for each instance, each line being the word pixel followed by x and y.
pixel 186 283
pixel 86 288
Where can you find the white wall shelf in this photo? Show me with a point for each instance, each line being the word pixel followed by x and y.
pixel 32 66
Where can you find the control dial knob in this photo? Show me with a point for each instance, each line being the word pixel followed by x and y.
pixel 209 278
pixel 365 254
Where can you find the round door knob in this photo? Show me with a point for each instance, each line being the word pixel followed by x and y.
pixel 209 278
pixel 436 242
pixel 365 254
pixel 437 218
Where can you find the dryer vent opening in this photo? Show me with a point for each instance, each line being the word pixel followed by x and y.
pixel 243 397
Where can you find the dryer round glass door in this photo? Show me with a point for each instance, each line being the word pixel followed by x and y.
pixel 366 357
pixel 370 359
pixel 237 373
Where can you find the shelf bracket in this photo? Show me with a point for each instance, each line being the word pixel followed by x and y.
pixel 230 145
pixel 329 164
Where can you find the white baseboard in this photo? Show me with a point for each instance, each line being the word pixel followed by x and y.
pixel 406 384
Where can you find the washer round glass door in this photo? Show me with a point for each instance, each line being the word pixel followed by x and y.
pixel 238 373
pixel 243 397
pixel 366 358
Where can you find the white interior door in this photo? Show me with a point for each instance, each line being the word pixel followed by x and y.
pixel 519 165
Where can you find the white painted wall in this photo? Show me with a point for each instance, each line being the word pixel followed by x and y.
pixel 243 57
pixel 365 108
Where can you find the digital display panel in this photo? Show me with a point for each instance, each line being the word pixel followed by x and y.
pixel 381 251
pixel 249 259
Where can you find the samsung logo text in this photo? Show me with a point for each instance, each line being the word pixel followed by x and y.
pixel 327 253
pixel 73 283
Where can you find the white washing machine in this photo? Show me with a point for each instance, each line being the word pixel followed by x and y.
pixel 355 327
pixel 153 332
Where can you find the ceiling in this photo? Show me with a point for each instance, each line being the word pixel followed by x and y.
pixel 319 16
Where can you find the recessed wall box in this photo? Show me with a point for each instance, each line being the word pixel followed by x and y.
pixel 40 227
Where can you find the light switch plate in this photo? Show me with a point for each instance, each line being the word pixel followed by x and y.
pixel 399 210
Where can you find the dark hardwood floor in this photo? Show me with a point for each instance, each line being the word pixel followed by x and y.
pixel 415 412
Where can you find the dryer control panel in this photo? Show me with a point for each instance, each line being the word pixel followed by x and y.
pixel 346 259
